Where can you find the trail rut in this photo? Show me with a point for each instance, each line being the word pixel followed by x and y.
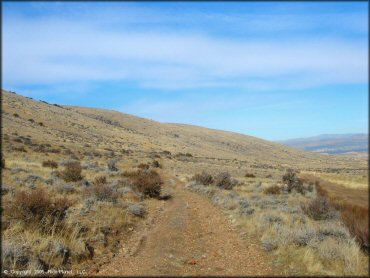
pixel 184 236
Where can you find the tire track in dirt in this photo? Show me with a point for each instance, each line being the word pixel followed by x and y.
pixel 184 236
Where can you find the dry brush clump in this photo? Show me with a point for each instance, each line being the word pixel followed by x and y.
pixel 294 183
pixel 38 207
pixel 222 180
pixel 72 172
pixel 320 209
pixel 147 182
pixel 50 163
pixel 102 191
pixel 273 189
pixel 203 178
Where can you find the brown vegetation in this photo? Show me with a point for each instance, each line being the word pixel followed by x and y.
pixel 203 178
pixel 149 183
pixel 72 171
pixel 50 163
pixel 39 207
pixel 273 189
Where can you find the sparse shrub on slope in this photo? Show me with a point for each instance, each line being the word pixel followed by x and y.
pixel 148 183
pixel 292 182
pixel 143 166
pixel 156 164
pixel 273 189
pixel 224 181
pixel 99 181
pixel 203 178
pixel 320 209
pixel 102 191
pixel 50 163
pixel 250 175
pixel 112 165
pixel 137 210
pixel 38 206
pixel 72 171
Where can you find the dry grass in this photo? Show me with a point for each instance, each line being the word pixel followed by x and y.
pixel 316 243
pixel 352 206
pixel 95 137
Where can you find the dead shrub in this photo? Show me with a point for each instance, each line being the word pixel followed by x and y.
pixel 112 165
pixel 50 163
pixel 273 189
pixel 224 181
pixel 20 149
pixel 72 171
pixel 292 181
pixel 103 192
pixel 38 206
pixel 156 164
pixel 149 183
pixel 143 166
pixel 250 175
pixel 99 181
pixel 203 178
pixel 319 209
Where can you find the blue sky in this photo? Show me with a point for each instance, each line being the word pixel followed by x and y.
pixel 272 70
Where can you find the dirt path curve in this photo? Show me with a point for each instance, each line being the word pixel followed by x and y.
pixel 185 236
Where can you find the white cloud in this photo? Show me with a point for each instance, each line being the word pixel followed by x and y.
pixel 51 50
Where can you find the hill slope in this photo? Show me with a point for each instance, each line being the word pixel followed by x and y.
pixel 104 130
pixel 332 143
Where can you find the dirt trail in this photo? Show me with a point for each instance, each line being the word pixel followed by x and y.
pixel 185 236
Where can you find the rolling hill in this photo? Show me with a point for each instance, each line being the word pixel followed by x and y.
pixel 332 143
pixel 102 130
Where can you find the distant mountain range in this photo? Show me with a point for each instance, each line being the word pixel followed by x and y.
pixel 332 143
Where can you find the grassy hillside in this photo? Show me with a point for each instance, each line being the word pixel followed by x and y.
pixel 79 183
pixel 98 129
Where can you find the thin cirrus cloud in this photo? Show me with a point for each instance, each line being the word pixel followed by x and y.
pixel 57 49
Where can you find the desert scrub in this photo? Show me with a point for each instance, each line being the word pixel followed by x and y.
pixel 50 163
pixel 72 171
pixel 39 208
pixel 112 165
pixel 147 182
pixel 102 191
pixel 288 233
pixel 224 181
pixel 273 189
pixel 320 209
pixel 203 178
